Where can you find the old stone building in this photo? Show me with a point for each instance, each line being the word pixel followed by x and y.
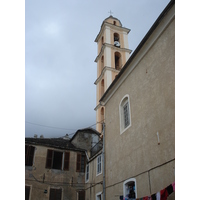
pixel 55 167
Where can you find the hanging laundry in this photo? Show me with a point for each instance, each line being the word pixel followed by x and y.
pixel 158 196
pixel 153 196
pixel 163 194
pixel 169 189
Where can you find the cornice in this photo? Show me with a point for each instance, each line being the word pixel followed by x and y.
pixel 113 47
pixel 119 28
pixel 103 72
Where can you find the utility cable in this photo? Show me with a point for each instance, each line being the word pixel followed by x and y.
pixel 48 126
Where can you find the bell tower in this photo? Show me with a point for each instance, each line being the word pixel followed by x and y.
pixel 112 54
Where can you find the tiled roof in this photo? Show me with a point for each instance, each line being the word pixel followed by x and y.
pixel 59 143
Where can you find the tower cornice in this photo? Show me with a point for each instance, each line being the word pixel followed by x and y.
pixel 111 26
pixel 111 46
pixel 103 72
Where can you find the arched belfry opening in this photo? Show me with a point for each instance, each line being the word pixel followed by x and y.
pixel 118 61
pixel 102 40
pixel 102 87
pixel 102 63
pixel 116 40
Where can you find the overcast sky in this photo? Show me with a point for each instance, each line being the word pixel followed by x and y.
pixel 60 95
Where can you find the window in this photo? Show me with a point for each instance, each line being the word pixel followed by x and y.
pixel 80 163
pixel 125 115
pixel 55 194
pixel 29 155
pixel 27 192
pixel 66 161
pixel 55 160
pixel 102 87
pixel 99 196
pixel 102 40
pixel 81 195
pixel 99 165
pixel 102 63
pixel 118 61
pixel 87 173
pixel 129 188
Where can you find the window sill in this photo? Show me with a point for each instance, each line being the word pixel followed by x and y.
pixel 124 130
pixel 99 174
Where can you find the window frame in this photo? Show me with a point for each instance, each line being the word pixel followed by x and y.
pixel 99 164
pixel 125 183
pixel 99 194
pixel 125 101
pixel 65 163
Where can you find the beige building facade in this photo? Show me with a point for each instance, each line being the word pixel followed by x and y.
pixel 54 172
pixel 140 116
pixel 55 167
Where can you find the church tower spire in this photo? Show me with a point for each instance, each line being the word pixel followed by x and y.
pixel 113 52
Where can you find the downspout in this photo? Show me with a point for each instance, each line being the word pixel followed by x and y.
pixel 103 160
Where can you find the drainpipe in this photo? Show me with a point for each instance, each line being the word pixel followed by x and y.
pixel 103 160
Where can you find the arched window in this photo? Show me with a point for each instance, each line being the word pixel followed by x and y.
pixel 125 114
pixel 102 40
pixel 102 87
pixel 102 114
pixel 114 22
pixel 102 63
pixel 130 189
pixel 118 61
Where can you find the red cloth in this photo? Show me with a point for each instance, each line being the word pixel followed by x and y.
pixel 145 198
pixel 163 194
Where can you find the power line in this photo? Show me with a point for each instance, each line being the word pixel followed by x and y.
pixel 48 126
pixel 60 127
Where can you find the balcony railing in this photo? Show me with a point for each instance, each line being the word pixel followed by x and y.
pixel 95 149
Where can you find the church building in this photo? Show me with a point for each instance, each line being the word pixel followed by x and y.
pixel 136 101
pixel 131 154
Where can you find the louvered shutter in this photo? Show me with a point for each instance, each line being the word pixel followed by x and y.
pixel 29 154
pixel 81 195
pixel 55 194
pixel 49 158
pixel 66 161
pixel 27 192
pixel 78 163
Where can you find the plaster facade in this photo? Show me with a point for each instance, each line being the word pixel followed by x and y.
pixel 39 178
pixel 149 81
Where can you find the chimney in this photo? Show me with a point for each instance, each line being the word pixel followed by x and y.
pixel 66 137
